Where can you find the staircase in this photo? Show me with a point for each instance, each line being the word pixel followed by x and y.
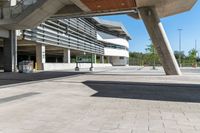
pixel 28 13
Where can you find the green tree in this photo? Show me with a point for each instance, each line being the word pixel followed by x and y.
pixel 180 57
pixel 193 56
pixel 152 55
pixel 150 49
pixel 136 58
pixel 177 54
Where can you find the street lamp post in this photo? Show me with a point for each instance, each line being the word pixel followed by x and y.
pixel 180 35
pixel 154 60
pixel 196 45
pixel 197 54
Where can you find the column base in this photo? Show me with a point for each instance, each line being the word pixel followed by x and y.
pixel 91 69
pixel 77 69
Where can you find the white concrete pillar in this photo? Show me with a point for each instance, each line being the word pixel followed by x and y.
pixel 66 56
pixel 109 59
pixel 160 40
pixel 10 52
pixel 40 56
pixel 95 58
pixel 1 57
pixel 102 59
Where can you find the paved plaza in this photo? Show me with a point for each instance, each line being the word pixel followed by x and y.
pixel 109 100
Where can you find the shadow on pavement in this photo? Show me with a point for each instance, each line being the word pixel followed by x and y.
pixel 14 78
pixel 17 97
pixel 146 91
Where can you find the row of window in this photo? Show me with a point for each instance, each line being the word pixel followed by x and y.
pixel 77 34
pixel 114 46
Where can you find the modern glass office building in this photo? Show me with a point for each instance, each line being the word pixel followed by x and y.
pixel 55 43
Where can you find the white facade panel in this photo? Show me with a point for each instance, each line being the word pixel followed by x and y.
pixel 65 66
pixel 119 61
pixel 101 36
pixel 13 2
pixel 115 52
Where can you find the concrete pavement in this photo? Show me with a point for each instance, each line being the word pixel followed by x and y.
pixel 111 100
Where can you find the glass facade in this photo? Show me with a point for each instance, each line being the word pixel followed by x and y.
pixel 77 33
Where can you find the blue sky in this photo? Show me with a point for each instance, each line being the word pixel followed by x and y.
pixel 188 21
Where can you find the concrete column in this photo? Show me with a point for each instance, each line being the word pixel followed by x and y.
pixel 160 40
pixel 102 59
pixel 66 56
pixel 109 59
pixel 1 57
pixel 40 56
pixel 95 58
pixel 10 52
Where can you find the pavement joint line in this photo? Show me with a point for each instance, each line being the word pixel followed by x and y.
pixel 135 74
pixel 141 68
pixel 101 108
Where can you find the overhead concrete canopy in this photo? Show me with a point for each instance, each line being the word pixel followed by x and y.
pixel 112 26
pixel 3 2
pixel 167 7
pixel 103 7
pixel 35 13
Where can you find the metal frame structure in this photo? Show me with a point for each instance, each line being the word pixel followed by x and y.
pixel 78 34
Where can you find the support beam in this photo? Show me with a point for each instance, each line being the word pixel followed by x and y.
pixel 101 59
pixel 40 56
pixel 10 52
pixel 81 5
pixel 160 40
pixel 92 63
pixel 66 56
pixel 109 59
pixel 95 58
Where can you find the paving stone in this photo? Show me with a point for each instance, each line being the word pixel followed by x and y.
pixel 118 100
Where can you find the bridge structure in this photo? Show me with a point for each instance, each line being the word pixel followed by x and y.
pixel 23 14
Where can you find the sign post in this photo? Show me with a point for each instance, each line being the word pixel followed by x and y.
pixel 84 59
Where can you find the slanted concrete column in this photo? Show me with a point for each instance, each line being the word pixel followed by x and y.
pixel 101 59
pixel 66 56
pixel 10 52
pixel 40 56
pixel 160 40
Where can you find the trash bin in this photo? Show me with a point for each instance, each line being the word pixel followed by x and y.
pixel 26 67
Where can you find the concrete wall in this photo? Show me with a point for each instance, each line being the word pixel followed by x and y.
pixel 112 39
pixel 116 52
pixel 65 66
pixel 119 61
